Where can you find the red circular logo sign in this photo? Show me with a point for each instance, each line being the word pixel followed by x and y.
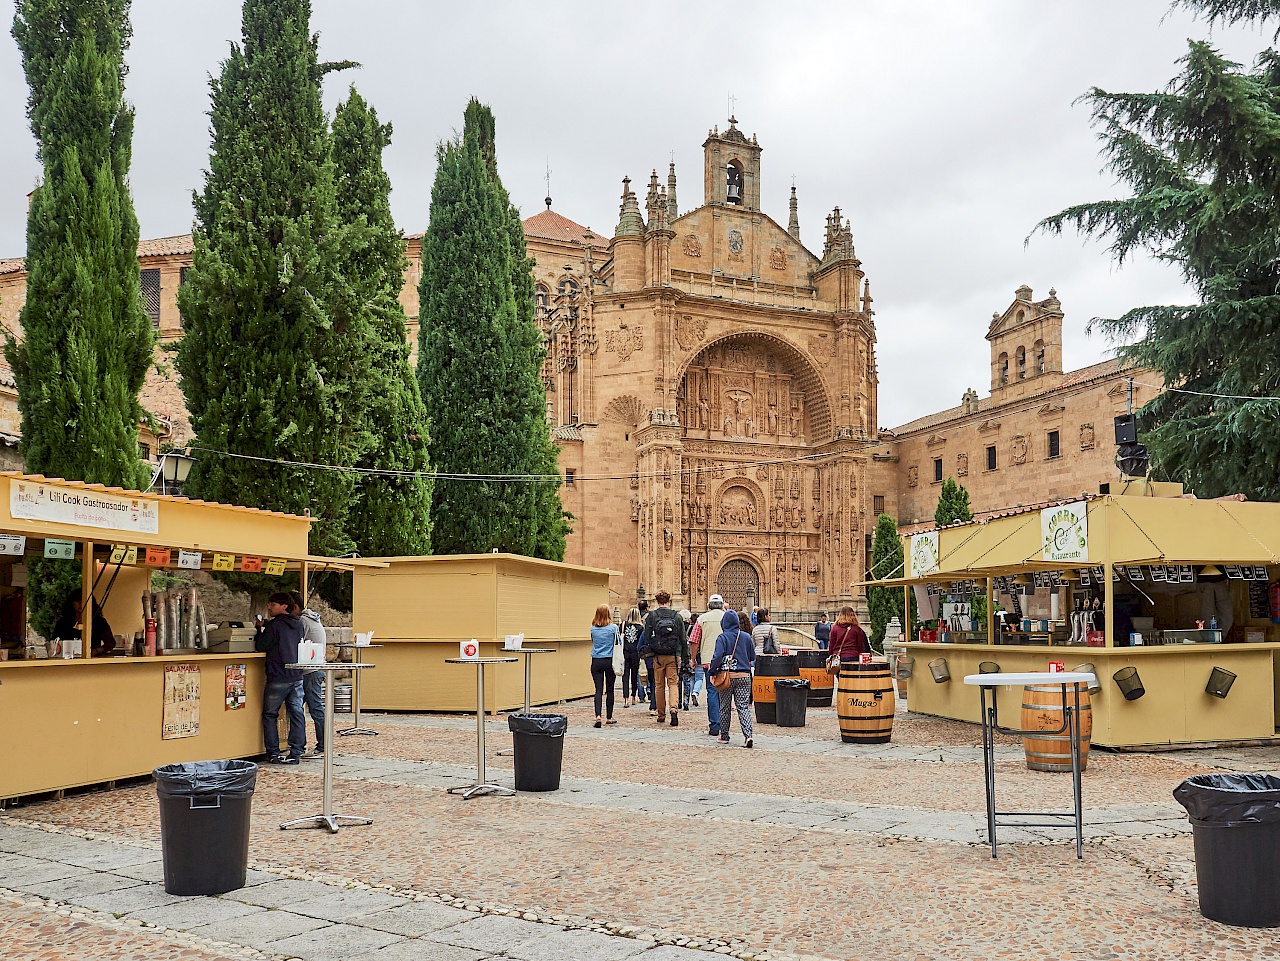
pixel 470 649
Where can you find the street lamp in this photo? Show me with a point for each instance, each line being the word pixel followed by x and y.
pixel 175 468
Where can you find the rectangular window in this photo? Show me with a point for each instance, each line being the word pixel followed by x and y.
pixel 866 546
pixel 991 458
pixel 568 478
pixel 937 470
pixel 877 504
pixel 151 295
pixel 1055 444
pixel 145 451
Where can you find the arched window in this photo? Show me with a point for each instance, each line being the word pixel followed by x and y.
pixel 1039 355
pixel 568 286
pixel 541 297
pixel 734 184
pixel 1004 369
pixel 1022 363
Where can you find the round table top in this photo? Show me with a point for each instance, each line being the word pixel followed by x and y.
pixel 329 666
pixel 1030 677
pixel 480 660
pixel 532 650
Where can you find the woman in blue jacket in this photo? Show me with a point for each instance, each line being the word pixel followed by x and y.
pixel 604 635
pixel 736 654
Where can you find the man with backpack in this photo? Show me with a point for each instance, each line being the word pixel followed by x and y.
pixel 666 640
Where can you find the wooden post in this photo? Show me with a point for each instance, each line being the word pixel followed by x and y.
pixel 86 600
pixel 1108 604
pixel 991 610
pixel 906 613
pixel 302 582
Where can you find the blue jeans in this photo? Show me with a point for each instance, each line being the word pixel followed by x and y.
pixel 699 678
pixel 653 688
pixel 288 693
pixel 713 707
pixel 313 695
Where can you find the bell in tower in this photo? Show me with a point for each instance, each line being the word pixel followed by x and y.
pixel 732 168
pixel 733 193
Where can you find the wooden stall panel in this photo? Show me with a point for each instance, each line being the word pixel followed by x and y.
pixel 528 605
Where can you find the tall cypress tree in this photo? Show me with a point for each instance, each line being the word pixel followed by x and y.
pixel 86 343
pixel 479 359
pixel 391 515
pixel 1200 160
pixel 885 603
pixel 271 365
pixel 953 504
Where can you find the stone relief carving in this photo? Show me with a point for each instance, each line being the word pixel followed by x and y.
pixel 738 507
pixel 635 509
pixel 1086 437
pixel 1018 450
pixel 690 330
pixel 692 246
pixel 624 340
pixel 962 465
pixel 778 258
pixel 735 244
pixel 913 476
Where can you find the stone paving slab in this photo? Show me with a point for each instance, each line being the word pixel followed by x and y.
pixel 427 951
pixel 342 905
pixel 578 945
pixel 138 897
pixel 79 886
pixel 334 942
pixel 280 893
pixel 259 929
pixel 23 872
pixel 492 933
pixel 415 918
pixel 189 914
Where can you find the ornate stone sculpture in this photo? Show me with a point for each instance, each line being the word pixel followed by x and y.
pixel 1086 437
pixel 1018 450
pixel 962 465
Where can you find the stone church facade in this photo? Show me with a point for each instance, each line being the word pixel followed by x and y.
pixel 712 386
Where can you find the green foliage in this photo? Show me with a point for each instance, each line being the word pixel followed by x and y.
pixel 275 359
pixel 1200 159
pixel 479 360
pixel 86 342
pixel 885 603
pixel 1233 11
pixel 391 516
pixel 953 504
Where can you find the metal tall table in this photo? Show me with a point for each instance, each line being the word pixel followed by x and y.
pixel 355 690
pixel 528 686
pixel 481 786
pixel 327 819
pixel 1070 725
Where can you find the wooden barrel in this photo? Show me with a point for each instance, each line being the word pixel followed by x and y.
pixel 813 668
pixel 1042 711
pixel 769 667
pixel 865 703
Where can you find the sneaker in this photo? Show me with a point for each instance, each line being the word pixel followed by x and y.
pixel 282 759
pixel 713 731
pixel 695 700
pixel 315 755
pixel 749 743
pixel 675 719
pixel 724 739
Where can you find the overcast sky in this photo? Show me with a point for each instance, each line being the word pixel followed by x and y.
pixel 944 129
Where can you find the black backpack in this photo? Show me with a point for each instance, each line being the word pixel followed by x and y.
pixel 665 632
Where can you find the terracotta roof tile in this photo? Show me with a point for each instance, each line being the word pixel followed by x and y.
pixel 12 265
pixel 549 225
pixel 157 247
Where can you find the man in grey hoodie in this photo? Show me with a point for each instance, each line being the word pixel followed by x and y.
pixel 312 681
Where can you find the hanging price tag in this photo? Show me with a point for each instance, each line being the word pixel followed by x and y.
pixel 190 560
pixel 62 550
pixel 224 562
pixel 251 565
pixel 275 567
pixel 158 557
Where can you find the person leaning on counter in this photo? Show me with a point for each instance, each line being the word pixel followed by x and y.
pixel 67 626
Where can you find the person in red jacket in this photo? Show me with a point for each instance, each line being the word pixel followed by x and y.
pixel 848 639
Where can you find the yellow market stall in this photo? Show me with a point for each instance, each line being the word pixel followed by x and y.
pixel 1169 598
pixel 420 608
pixel 71 719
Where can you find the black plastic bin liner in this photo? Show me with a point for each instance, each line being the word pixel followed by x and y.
pixel 539 749
pixel 792 699
pixel 1235 824
pixel 204 824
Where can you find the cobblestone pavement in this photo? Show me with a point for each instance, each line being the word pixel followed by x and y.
pixel 662 837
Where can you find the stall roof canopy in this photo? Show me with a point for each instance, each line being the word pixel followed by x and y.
pixel 1120 530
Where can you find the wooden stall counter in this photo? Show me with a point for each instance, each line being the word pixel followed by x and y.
pixel 74 722
pixel 1175 708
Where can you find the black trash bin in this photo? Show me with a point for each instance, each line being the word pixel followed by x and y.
pixel 793 697
pixel 539 749
pixel 1235 823
pixel 204 824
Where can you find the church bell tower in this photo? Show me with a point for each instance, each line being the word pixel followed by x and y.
pixel 731 168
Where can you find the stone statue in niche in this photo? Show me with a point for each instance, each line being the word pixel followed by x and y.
pixel 667 538
pixel 684 573
pixel 704 418
pixel 728 425
pixel 701 574
pixel 666 469
pixel 684 512
pixel 773 420
pixel 797 416
pixel 749 427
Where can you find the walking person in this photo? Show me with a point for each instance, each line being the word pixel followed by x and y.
pixel 604 636
pixel 734 653
pixel 647 657
pixel 764 635
pixel 702 643
pixel 667 642
pixel 313 682
pixel 687 673
pixel 848 639
pixel 631 631
pixel 278 638
pixel 822 631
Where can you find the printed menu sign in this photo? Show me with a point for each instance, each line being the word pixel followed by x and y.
pixel 181 701
pixel 236 697
pixel 64 505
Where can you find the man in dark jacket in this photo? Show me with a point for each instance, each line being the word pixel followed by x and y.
pixel 278 639
pixel 666 640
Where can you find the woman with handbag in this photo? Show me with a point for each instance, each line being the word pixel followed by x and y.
pixel 730 670
pixel 605 639
pixel 848 640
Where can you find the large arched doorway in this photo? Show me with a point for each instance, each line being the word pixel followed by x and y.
pixel 739 584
